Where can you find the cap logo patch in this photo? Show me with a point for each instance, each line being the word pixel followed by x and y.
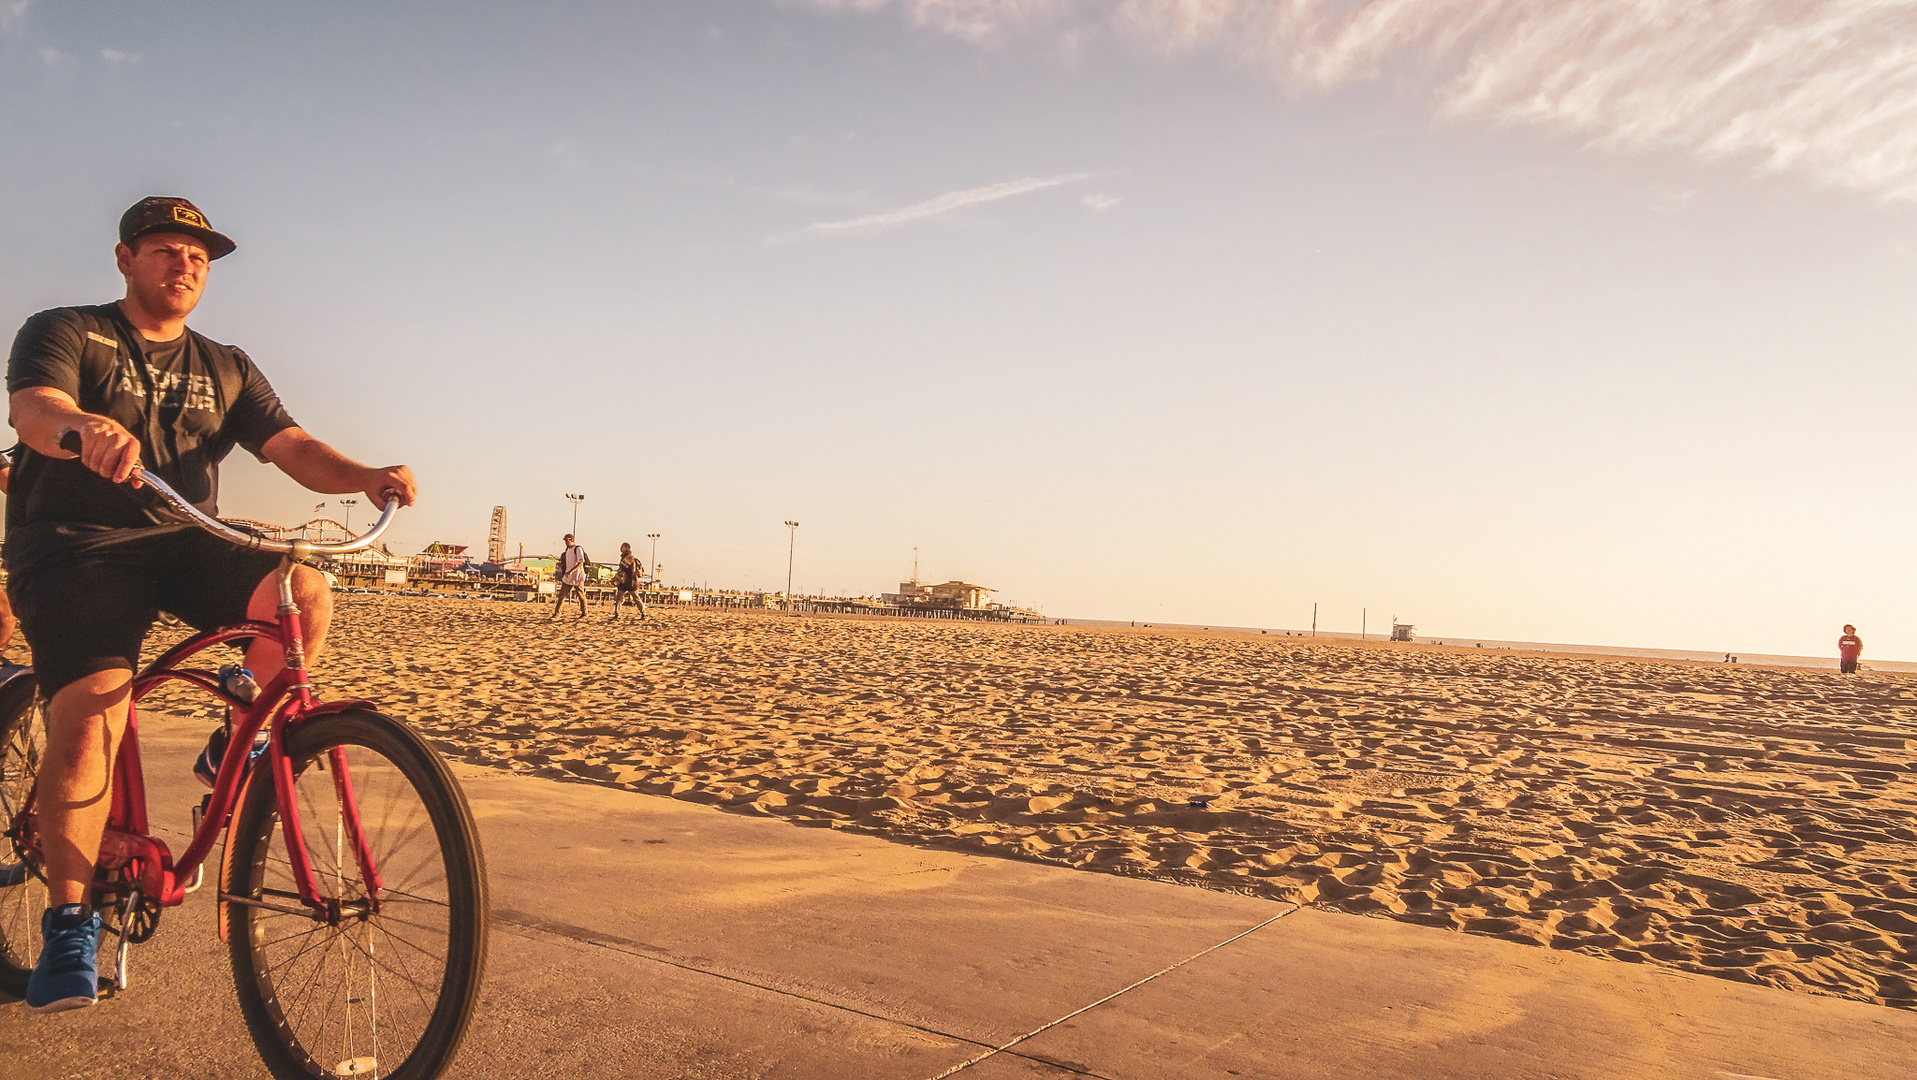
pixel 186 215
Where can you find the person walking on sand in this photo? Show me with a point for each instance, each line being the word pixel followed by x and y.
pixel 625 582
pixel 571 572
pixel 1849 648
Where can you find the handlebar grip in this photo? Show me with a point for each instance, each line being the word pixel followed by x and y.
pixel 70 441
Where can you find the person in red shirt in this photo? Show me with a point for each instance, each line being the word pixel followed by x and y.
pixel 1849 648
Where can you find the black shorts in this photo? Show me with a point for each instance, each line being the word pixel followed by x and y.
pixel 86 594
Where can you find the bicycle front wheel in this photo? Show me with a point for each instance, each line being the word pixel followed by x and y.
pixel 384 980
pixel 23 892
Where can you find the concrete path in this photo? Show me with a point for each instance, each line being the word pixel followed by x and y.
pixel 641 937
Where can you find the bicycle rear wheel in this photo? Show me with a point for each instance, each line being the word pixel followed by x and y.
pixel 386 981
pixel 23 892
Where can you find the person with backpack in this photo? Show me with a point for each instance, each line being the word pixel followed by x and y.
pixel 570 571
pixel 625 582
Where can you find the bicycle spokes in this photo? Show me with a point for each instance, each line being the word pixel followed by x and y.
pixel 23 894
pixel 358 975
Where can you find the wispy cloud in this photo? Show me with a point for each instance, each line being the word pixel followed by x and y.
pixel 1672 200
pixel 808 196
pixel 52 57
pixel 566 154
pixel 802 194
pixel 975 20
pixel 13 13
pixel 115 56
pixel 1100 201
pixel 1824 88
pixel 942 204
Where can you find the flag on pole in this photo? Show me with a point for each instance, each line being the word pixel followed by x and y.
pixel 321 506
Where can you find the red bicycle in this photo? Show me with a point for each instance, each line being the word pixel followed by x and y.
pixel 352 888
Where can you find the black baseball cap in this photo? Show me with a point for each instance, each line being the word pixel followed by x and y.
pixel 166 213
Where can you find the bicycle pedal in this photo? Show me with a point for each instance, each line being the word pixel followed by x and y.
pixel 199 815
pixel 129 907
pixel 113 980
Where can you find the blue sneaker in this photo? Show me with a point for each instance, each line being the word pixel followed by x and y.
pixel 66 976
pixel 207 766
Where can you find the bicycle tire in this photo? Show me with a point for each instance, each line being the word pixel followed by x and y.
pixel 311 992
pixel 23 889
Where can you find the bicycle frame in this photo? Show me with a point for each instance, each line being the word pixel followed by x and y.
pixel 145 869
pixel 143 863
pixel 344 962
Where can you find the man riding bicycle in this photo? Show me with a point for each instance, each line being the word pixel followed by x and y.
pixel 89 561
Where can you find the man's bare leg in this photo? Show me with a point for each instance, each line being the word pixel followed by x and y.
pixel 8 624
pixel 265 657
pixel 85 721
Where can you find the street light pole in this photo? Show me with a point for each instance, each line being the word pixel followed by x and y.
pixel 575 500
pixel 349 504
pixel 792 543
pixel 654 537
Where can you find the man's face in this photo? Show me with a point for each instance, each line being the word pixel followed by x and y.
pixel 164 272
pixel 569 539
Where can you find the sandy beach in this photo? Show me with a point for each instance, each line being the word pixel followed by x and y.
pixel 1745 822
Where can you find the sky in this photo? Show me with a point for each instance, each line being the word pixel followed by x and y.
pixel 1507 318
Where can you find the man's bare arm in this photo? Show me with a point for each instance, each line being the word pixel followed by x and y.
pixel 319 467
pixel 41 414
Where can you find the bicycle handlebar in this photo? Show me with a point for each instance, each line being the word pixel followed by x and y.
pixel 299 549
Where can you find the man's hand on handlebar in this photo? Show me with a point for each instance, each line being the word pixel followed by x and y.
pixel 383 486
pixel 392 482
pixel 103 446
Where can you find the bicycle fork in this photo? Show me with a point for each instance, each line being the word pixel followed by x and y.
pixel 335 763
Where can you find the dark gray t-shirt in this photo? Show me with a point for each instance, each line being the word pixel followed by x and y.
pixel 189 401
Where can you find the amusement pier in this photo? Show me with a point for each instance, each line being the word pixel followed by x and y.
pixel 448 570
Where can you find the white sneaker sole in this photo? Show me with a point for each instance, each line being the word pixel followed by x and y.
pixel 63 1005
